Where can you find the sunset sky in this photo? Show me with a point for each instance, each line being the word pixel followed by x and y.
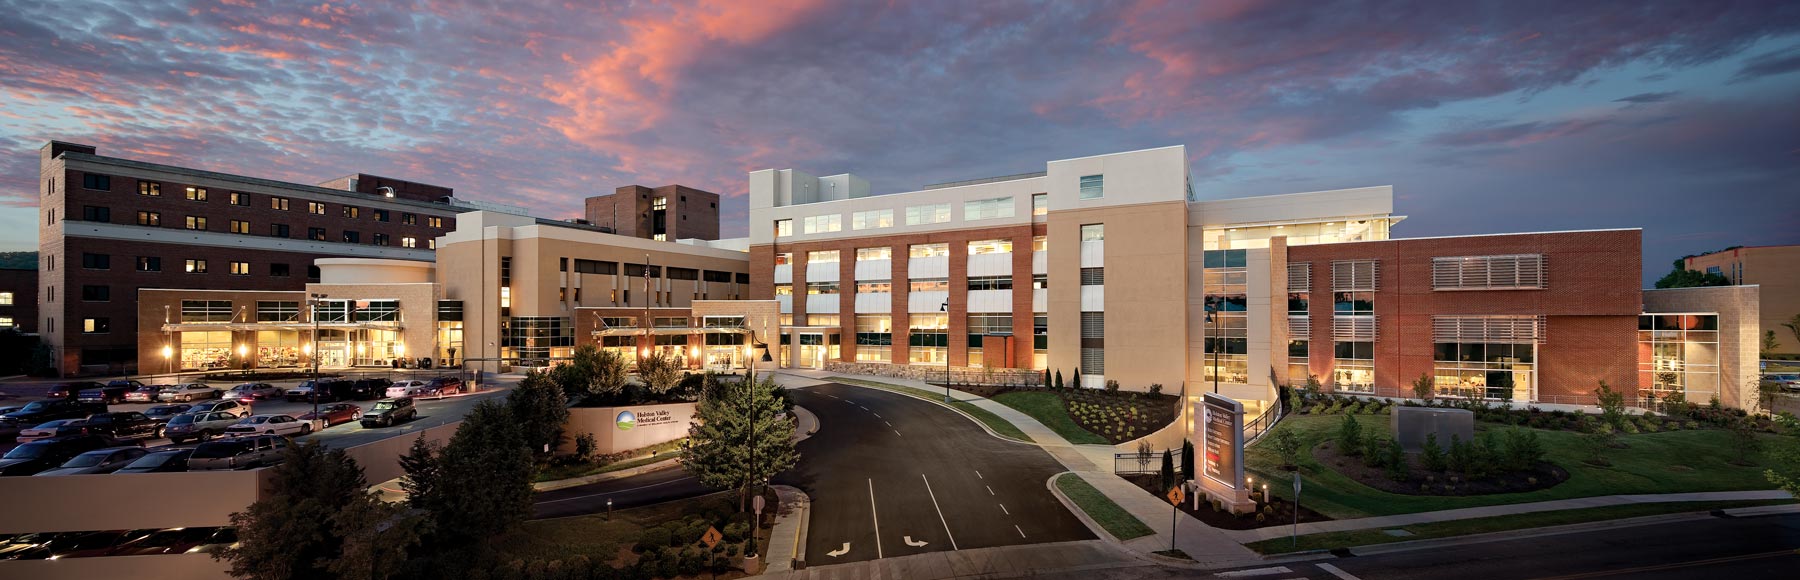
pixel 1682 118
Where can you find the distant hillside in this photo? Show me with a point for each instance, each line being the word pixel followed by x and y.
pixel 18 260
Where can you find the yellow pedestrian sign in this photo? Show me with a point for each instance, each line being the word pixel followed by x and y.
pixel 1175 495
pixel 711 537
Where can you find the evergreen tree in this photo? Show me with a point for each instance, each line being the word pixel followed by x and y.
pixel 1168 470
pixel 1047 377
pixel 484 477
pixel 1187 460
pixel 317 513
pixel 540 409
pixel 740 437
pixel 422 474
pixel 1059 381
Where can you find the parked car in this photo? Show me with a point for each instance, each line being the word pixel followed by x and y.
pixel 169 541
pixel 370 389
pixel 68 390
pixel 41 455
pixel 327 390
pixel 188 392
pixel 443 386
pixel 159 462
pixel 387 412
pixel 124 425
pixel 238 453
pixel 268 425
pixel 335 413
pixel 144 394
pixel 91 544
pixel 105 395
pixel 201 426
pixel 38 412
pixel 163 413
pixel 253 391
pixel 97 461
pixel 50 429
pixel 221 406
pixel 1784 381
pixel 410 388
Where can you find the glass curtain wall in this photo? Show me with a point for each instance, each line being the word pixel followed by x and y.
pixel 1227 338
pixel 1679 353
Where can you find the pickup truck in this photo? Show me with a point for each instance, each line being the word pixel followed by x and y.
pixel 239 453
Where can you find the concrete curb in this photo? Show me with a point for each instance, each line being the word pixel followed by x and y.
pixel 1100 531
pixel 978 422
pixel 599 477
pixel 796 515
pixel 805 423
pixel 1527 533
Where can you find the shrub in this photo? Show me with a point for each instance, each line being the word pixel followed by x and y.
pixel 1460 454
pixel 1112 386
pixel 1630 428
pixel 1612 405
pixel 1287 445
pixel 1596 443
pixel 1396 461
pixel 1522 449
pixel 585 447
pixel 1374 449
pixel 1691 424
pixel 1349 436
pixel 652 538
pixel 1422 386
pixel 1155 390
pixel 1431 455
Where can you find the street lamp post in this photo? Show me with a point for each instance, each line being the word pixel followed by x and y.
pixel 313 301
pixel 1216 345
pixel 750 351
pixel 945 308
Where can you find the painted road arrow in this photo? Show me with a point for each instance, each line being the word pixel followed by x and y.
pixel 910 542
pixel 839 551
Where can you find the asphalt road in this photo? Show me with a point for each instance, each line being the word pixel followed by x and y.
pixel 629 492
pixel 1736 548
pixel 890 475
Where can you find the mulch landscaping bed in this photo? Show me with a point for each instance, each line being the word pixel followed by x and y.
pixel 1421 482
pixel 1277 513
pixel 1118 416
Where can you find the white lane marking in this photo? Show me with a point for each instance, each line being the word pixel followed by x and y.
pixel 877 415
pixel 1003 510
pixel 877 518
pixel 896 432
pixel 863 408
pixel 1335 571
pixel 888 424
pixel 1021 531
pixel 612 492
pixel 909 541
pixel 839 551
pixel 940 511
pixel 978 475
pixel 990 490
pixel 1254 572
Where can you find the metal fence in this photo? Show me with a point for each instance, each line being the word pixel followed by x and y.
pixel 1133 463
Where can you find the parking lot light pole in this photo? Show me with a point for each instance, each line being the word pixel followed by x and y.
pixel 313 301
pixel 945 308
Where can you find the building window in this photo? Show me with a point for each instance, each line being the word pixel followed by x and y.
pixel 381 215
pixel 1354 364
pixel 149 218
pixel 431 243
pixel 149 264
pixel 1093 343
pixel 96 214
pixel 784 228
pixel 984 324
pixel 315 208
pixel 1040 204
pixel 351 237
pixel 409 242
pixel 874 287
pixel 1351 275
pixel 987 209
pixel 381 239
pixel 595 267
pixel 1093 232
pixel 240 198
pixel 1515 272
pixel 6 299
pixel 96 261
pixel 96 293
pixel 1040 243
pixel 928 340
pixel 149 188
pixel 278 203
pixel 351 211
pixel 279 270
pixel 784 289
pixel 102 182
pixel 1683 355
pixel 821 320
pixel 1040 340
pixel 278 230
pixel 990 283
pixel 874 337
pixel 196 222
pixel 277 311
pixel 868 220
pixel 978 247
pixel 196 266
pixel 1040 281
pixel 315 234
pixel 929 285
pixel 407 219
pixel 936 213
pixel 939 250
pixel 312 272
pixel 821 288
pixel 240 268
pixel 96 325
pixel 6 322
pixel 436 222
pixel 871 254
pixel 822 256
pixel 240 227
pixel 1093 186
pixel 196 194
pixel 820 224
pixel 1093 276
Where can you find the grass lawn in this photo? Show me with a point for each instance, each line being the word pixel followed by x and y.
pixel 595 536
pixel 1665 462
pixel 640 457
pixel 1001 426
pixel 1118 522
pixel 1048 409
pixel 1332 540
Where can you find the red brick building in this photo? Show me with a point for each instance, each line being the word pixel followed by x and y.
pixel 667 213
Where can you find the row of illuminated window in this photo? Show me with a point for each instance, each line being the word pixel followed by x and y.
pixel 199 223
pixel 581 266
pixel 93 261
pixel 98 182
pixel 276 311
pixel 927 214
pixel 935 250
pixel 914 285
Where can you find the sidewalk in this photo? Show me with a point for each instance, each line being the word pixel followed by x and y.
pixel 787 542
pixel 1401 520
pixel 608 476
pixel 997 562
pixel 1206 545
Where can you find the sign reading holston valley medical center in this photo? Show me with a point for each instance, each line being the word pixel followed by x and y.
pixel 628 419
pixel 624 428
pixel 1222 429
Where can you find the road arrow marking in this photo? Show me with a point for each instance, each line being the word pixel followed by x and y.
pixel 910 542
pixel 839 551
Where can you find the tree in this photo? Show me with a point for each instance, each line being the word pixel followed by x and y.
pixel 1786 456
pixel 1681 277
pixel 540 410
pixel 1144 454
pixel 1597 442
pixel 741 436
pixel 1395 459
pixel 484 478
pixel 1744 440
pixel 1422 386
pixel 316 507
pixel 1288 446
pixel 660 372
pixel 1793 325
pixel 1168 470
pixel 1612 405
pixel 1350 436
pixel 1077 377
pixel 591 371
pixel 421 468
pixel 1770 343
pixel 1046 378
pixel 1431 455
pixel 1059 381
pixel 1187 460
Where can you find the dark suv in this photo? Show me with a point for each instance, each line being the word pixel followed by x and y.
pixel 124 425
pixel 39 412
pixel 239 453
pixel 370 389
pixel 69 390
pixel 389 412
pixel 324 390
pixel 111 393
pixel 36 456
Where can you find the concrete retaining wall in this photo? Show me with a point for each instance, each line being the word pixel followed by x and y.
pixel 648 425
pixel 164 567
